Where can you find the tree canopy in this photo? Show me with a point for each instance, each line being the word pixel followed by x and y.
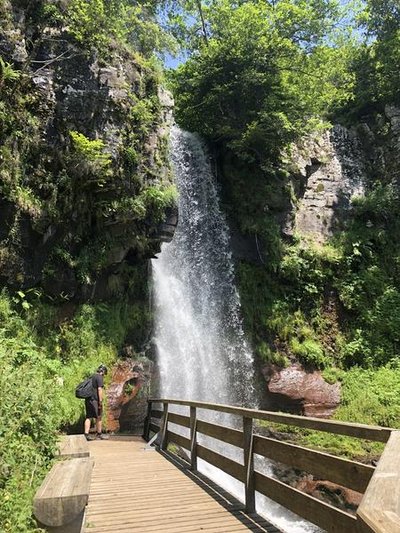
pixel 265 71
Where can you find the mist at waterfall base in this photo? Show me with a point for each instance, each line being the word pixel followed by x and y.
pixel 202 352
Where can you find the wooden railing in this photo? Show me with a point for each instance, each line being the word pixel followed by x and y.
pixel 380 507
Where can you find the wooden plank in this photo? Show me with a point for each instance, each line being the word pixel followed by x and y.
pixel 177 514
pixel 361 431
pixel 154 428
pixel 64 492
pixel 379 510
pixel 164 429
pixel 156 414
pixel 185 501
pixel 180 420
pixel 350 474
pixel 232 468
pixel 189 528
pixel 223 433
pixel 126 481
pixel 193 438
pixel 248 447
pixel 73 446
pixel 180 440
pixel 180 521
pixel 323 515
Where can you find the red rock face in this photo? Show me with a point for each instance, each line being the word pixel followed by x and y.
pixel 127 396
pixel 296 390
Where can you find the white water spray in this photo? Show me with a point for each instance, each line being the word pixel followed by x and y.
pixel 202 352
pixel 201 348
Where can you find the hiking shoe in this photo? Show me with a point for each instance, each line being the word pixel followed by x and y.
pixel 88 437
pixel 101 436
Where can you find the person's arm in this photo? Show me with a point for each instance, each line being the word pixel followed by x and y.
pixel 100 388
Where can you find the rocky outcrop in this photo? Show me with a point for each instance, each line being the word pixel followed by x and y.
pixel 330 171
pixel 341 497
pixel 127 395
pixel 75 216
pixel 299 391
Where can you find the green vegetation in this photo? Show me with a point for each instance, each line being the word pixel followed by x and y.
pixel 370 396
pixel 43 357
pixel 337 303
pixel 100 23
pixel 252 86
pixel 259 76
pixel 377 62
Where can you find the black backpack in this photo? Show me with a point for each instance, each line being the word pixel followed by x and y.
pixel 85 389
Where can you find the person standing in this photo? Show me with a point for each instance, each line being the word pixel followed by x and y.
pixel 94 405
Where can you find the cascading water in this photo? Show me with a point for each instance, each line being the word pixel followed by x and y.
pixel 202 352
pixel 201 348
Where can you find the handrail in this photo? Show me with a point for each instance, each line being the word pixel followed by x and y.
pixel 378 512
pixel 361 431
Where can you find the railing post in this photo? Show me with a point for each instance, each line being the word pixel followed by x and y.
pixel 249 464
pixel 164 427
pixel 146 428
pixel 193 438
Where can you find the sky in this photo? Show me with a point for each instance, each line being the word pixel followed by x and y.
pixel 173 61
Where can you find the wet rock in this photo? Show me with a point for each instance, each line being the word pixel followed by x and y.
pixel 336 495
pixel 341 497
pixel 167 229
pixel 244 247
pixel 127 395
pixel 300 391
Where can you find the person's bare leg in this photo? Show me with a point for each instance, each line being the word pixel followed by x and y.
pixel 87 426
pixel 99 424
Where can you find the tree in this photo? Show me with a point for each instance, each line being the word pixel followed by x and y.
pixel 95 23
pixel 266 71
pixel 382 17
pixel 378 66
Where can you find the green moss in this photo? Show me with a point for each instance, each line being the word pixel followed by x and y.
pixel 332 375
pixel 268 355
pixel 309 352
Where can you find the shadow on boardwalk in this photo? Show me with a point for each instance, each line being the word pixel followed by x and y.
pixel 253 522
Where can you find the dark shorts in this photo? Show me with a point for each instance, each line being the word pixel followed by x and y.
pixel 92 408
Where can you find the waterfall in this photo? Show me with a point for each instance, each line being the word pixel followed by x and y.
pixel 202 352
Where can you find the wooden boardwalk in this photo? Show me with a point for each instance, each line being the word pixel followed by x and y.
pixel 134 489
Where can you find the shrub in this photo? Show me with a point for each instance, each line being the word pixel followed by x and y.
pixel 309 352
pixel 41 363
pixel 368 397
pixel 89 158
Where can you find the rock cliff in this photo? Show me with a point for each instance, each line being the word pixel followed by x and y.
pixel 85 187
pixel 331 170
